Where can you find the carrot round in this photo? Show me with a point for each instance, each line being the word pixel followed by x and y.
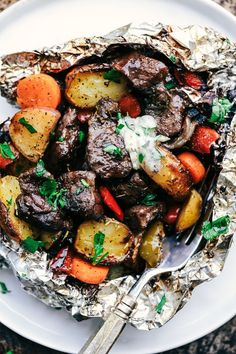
pixel 38 90
pixel 194 165
pixel 87 272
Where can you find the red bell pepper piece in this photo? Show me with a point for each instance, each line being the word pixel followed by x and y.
pixel 172 215
pixel 62 263
pixel 129 104
pixel 203 138
pixel 189 78
pixel 4 162
pixel 110 201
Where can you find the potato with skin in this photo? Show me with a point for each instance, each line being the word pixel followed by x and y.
pixel 30 130
pixel 172 176
pixel 85 89
pixel 118 240
pixel 150 249
pixel 190 212
pixel 11 224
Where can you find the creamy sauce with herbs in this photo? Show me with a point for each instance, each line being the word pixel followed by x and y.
pixel 140 140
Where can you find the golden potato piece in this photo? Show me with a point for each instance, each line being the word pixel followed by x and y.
pixel 118 240
pixel 85 89
pixel 11 224
pixel 151 246
pixel 30 130
pixel 172 176
pixel 190 212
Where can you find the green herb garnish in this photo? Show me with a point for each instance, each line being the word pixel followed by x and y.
pixel 79 190
pixel 149 200
pixel 32 245
pixel 84 183
pixel 220 226
pixel 119 115
pixel 28 126
pixel 112 75
pixel 220 108
pixel 113 150
pixel 9 203
pixel 170 85
pixel 173 58
pixel 140 157
pixel 81 136
pixel 98 242
pixel 161 304
pixel 119 127
pixel 52 136
pixel 61 139
pixel 6 151
pixel 40 169
pixel 148 131
pixel 9 352
pixel 3 288
pixel 55 197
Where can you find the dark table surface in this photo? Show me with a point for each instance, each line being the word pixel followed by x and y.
pixel 221 341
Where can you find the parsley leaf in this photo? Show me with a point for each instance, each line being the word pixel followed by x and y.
pixel 220 226
pixel 112 75
pixel 113 150
pixel 9 352
pixel 119 115
pixel 84 183
pixel 3 288
pixel 220 108
pixel 161 304
pixel 55 197
pixel 32 245
pixel 81 136
pixel 119 127
pixel 40 169
pixel 149 200
pixel 61 139
pixel 6 151
pixel 9 203
pixel 79 190
pixel 140 157
pixel 98 241
pixel 173 58
pixel 28 126
pixel 170 85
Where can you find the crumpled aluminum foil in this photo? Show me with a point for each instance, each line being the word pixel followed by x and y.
pixel 198 49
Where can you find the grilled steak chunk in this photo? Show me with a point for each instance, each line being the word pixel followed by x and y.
pixel 139 216
pixel 142 71
pixel 107 108
pixel 82 198
pixel 34 208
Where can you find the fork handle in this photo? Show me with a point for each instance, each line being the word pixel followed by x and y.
pixel 110 330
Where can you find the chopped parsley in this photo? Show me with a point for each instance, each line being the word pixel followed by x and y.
pixel 79 190
pixel 148 131
pixel 161 304
pixel 220 108
pixel 28 126
pixel 84 183
pixel 113 150
pixel 119 127
pixel 112 75
pixel 9 203
pixel 3 288
pixel 81 136
pixel 220 226
pixel 52 136
pixel 40 168
pixel 98 242
pixel 140 157
pixel 170 85
pixel 61 139
pixel 32 245
pixel 119 115
pixel 149 200
pixel 173 58
pixel 6 152
pixel 55 197
pixel 9 352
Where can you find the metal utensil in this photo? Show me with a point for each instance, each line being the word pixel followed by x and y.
pixel 176 252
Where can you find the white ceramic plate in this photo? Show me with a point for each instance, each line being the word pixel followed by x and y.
pixel 35 23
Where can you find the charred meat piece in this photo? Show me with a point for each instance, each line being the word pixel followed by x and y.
pixel 131 190
pixel 81 197
pixel 142 71
pixel 35 208
pixel 106 153
pixel 107 108
pixel 65 147
pixel 168 109
pixel 139 216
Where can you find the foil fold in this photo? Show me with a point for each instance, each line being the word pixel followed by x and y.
pixel 199 49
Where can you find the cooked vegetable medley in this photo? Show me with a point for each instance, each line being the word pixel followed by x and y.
pixel 103 161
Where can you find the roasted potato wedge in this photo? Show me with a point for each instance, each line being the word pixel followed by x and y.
pixel 151 246
pixel 190 212
pixel 118 240
pixel 30 130
pixel 85 89
pixel 11 224
pixel 172 176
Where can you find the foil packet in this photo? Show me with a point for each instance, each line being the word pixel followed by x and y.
pixel 199 49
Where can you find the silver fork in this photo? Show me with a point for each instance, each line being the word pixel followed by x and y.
pixel 176 253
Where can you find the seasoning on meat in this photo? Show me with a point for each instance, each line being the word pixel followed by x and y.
pixel 139 216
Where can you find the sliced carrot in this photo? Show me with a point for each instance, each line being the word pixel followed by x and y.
pixel 38 90
pixel 194 165
pixel 87 272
